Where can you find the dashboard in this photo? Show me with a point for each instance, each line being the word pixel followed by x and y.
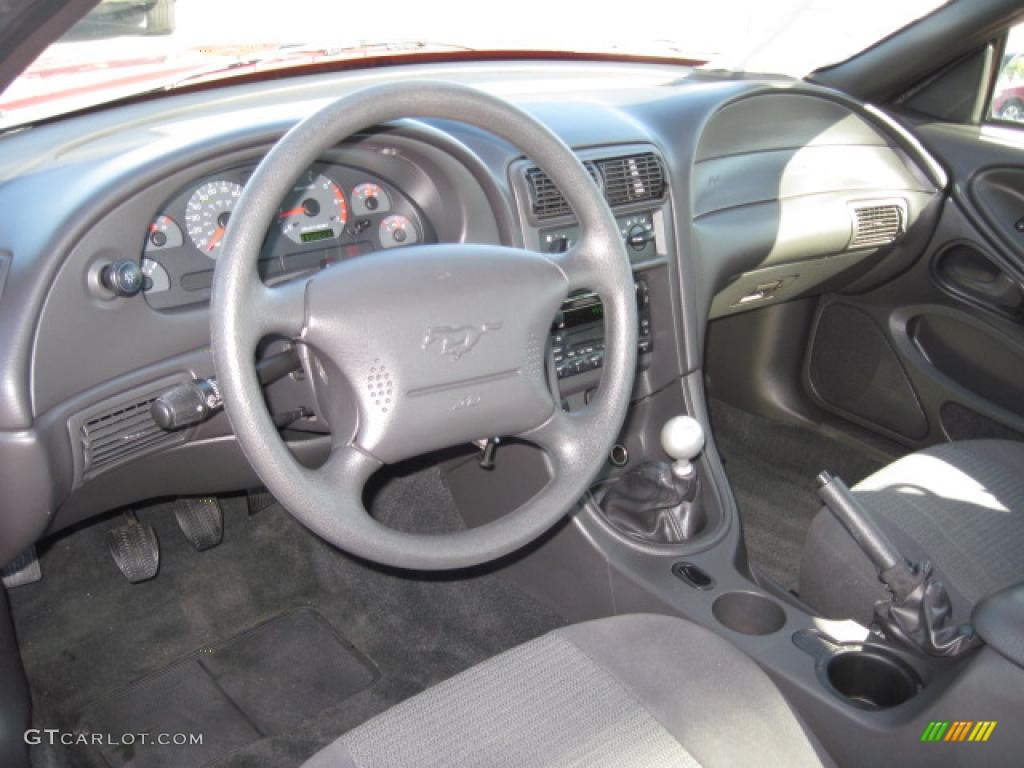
pixel 729 195
pixel 333 213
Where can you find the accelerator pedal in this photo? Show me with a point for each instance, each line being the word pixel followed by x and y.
pixel 135 549
pixel 201 520
pixel 24 569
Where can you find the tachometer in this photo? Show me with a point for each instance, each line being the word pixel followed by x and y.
pixel 207 213
pixel 397 230
pixel 314 210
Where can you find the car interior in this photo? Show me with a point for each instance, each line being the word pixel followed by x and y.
pixel 494 410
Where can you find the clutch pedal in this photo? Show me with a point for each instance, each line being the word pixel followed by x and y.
pixel 24 569
pixel 135 549
pixel 201 520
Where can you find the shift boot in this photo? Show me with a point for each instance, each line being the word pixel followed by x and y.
pixel 652 504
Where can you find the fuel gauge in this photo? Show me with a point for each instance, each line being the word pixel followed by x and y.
pixel 396 231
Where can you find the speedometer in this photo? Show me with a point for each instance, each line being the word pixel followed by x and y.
pixel 207 213
pixel 314 210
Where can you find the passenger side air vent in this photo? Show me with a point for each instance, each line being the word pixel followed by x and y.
pixel 545 198
pixel 118 430
pixel 877 223
pixel 632 179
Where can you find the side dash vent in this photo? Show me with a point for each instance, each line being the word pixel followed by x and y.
pixel 877 223
pixel 119 430
pixel 632 179
pixel 546 199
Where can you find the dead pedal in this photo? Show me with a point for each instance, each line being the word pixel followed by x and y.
pixel 135 549
pixel 201 520
pixel 24 569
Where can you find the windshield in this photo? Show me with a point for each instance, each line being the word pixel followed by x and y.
pixel 126 47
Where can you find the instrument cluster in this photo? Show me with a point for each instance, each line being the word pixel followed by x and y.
pixel 331 213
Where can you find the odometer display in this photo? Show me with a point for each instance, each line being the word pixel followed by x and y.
pixel 319 234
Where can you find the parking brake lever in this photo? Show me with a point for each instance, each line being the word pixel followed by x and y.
pixel 193 402
pixel 918 612
pixel 891 566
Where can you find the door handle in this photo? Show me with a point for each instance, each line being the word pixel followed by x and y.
pixel 973 274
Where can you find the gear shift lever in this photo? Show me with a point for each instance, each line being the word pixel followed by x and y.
pixel 659 502
pixel 682 438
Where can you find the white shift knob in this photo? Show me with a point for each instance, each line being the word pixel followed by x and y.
pixel 682 438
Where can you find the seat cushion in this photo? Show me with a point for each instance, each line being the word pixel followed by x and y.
pixel 638 690
pixel 959 505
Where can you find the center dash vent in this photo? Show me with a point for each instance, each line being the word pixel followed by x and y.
pixel 877 223
pixel 632 179
pixel 547 199
pixel 118 430
pixel 627 179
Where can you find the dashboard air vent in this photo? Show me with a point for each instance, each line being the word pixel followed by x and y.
pixel 627 179
pixel 122 432
pixel 877 223
pixel 632 179
pixel 545 198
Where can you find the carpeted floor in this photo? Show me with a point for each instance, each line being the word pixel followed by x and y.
pixel 86 633
pixel 771 469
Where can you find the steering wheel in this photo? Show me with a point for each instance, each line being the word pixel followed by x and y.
pixel 422 348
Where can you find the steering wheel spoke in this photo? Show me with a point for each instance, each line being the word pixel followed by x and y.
pixel 577 264
pixel 280 310
pixel 562 437
pixel 347 469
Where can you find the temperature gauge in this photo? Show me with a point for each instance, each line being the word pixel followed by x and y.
pixel 368 199
pixel 154 277
pixel 397 230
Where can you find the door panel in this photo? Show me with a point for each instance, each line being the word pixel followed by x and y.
pixel 998 195
pixel 937 353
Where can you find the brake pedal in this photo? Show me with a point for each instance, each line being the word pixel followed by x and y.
pixel 201 520
pixel 135 549
pixel 24 569
pixel 258 500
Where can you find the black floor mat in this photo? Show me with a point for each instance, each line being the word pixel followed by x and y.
pixel 85 632
pixel 772 469
pixel 258 684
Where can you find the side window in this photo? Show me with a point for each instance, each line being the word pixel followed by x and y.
pixel 1008 95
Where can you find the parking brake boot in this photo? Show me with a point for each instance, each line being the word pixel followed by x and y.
pixel 917 612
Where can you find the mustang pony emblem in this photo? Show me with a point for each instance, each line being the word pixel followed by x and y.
pixel 457 340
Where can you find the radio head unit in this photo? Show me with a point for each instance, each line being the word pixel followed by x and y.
pixel 577 335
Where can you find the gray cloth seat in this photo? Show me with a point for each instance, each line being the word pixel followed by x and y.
pixel 638 690
pixel 959 505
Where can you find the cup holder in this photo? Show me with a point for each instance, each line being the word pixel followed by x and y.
pixel 872 679
pixel 749 613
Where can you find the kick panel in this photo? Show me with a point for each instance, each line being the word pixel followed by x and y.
pixel 854 371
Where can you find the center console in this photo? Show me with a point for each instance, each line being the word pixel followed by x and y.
pixel 634 181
